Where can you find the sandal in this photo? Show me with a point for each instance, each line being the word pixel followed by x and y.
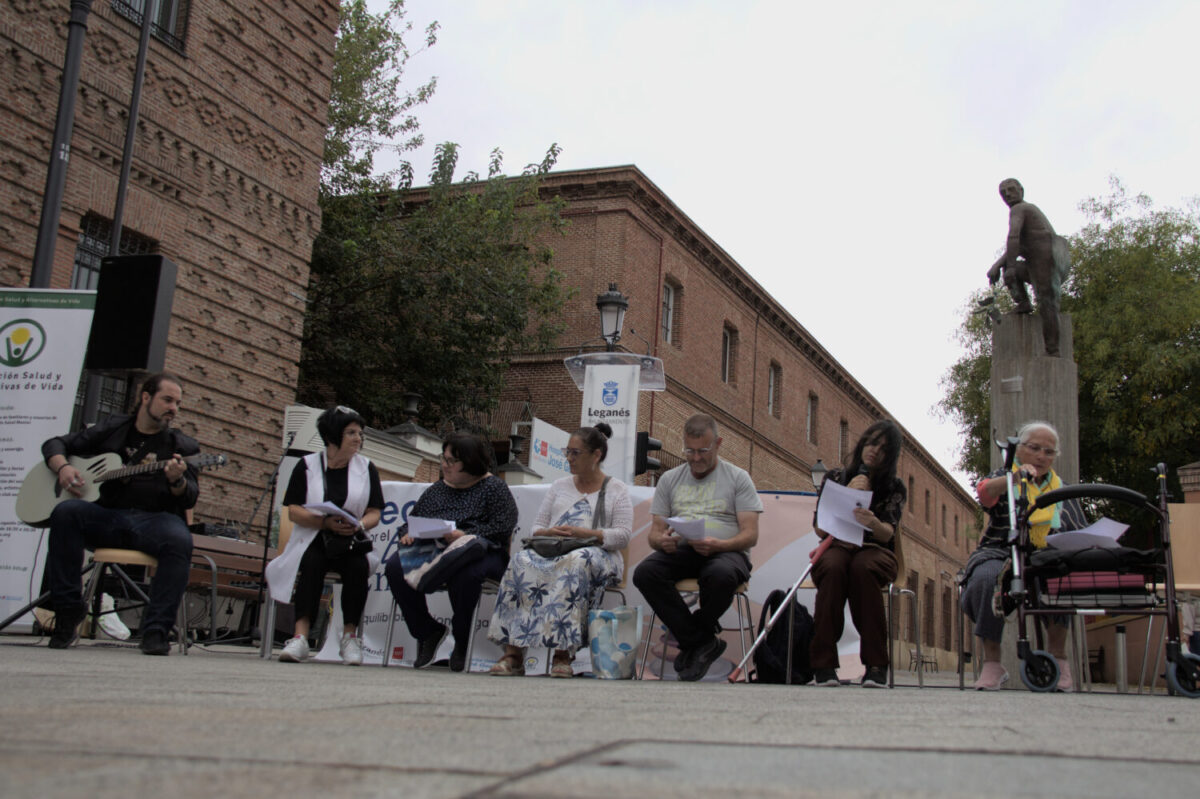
pixel 561 668
pixel 508 666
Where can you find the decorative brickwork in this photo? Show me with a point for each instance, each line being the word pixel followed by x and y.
pixel 225 175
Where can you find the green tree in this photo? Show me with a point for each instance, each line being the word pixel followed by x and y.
pixel 368 109
pixel 1134 298
pixel 428 290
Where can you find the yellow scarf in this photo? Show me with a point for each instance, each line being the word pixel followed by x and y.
pixel 1045 519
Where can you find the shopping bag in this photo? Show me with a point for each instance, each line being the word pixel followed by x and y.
pixel 614 637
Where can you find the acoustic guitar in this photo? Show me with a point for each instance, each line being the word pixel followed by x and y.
pixel 40 491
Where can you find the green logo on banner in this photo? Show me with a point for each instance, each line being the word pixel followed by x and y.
pixel 21 341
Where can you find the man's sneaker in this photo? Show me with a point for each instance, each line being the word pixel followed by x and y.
pixel 154 642
pixel 702 658
pixel 458 658
pixel 350 648
pixel 295 650
pixel 876 677
pixel 683 659
pixel 826 677
pixel 109 621
pixel 66 626
pixel 428 647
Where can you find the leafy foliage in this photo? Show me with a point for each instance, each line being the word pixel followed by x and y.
pixel 1134 297
pixel 368 110
pixel 426 290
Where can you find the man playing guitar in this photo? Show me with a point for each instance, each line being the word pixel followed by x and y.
pixel 146 512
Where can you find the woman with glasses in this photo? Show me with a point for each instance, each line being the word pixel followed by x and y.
pixel 848 573
pixel 544 601
pixel 324 542
pixel 1037 448
pixel 479 503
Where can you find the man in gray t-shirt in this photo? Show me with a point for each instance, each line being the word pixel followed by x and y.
pixel 724 496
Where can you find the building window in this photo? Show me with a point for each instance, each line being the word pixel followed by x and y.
pixel 945 531
pixel 729 344
pixel 843 440
pixel 811 419
pixel 928 508
pixel 947 615
pixel 912 495
pixel 169 24
pixel 672 294
pixel 927 608
pixel 956 529
pixel 911 617
pixel 774 386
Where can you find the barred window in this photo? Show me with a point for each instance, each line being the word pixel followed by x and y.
pixel 729 344
pixel 170 20
pixel 811 421
pixel 774 386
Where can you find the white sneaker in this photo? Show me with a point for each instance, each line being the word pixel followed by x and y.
pixel 350 649
pixel 295 650
pixel 110 622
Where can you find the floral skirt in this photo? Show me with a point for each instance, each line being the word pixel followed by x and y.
pixel 544 602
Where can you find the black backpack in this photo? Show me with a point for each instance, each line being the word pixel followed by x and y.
pixel 770 659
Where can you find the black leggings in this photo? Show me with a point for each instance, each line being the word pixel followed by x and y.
pixel 354 570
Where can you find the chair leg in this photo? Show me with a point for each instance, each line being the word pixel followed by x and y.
pixel 743 603
pixel 268 630
pixel 387 645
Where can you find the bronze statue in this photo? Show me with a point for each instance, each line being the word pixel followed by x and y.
pixel 1034 254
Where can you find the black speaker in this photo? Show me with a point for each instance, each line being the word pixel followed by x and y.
pixel 133 311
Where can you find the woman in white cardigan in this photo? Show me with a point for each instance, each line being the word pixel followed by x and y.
pixel 544 602
pixel 325 542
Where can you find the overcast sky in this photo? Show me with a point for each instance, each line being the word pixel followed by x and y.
pixel 846 155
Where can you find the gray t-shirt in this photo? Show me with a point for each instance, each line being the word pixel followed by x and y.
pixel 717 498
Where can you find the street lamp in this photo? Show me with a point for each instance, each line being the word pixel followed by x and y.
pixel 818 473
pixel 612 305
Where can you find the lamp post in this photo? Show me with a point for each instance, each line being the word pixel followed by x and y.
pixel 612 305
pixel 818 473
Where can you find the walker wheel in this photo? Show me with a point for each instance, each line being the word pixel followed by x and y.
pixel 1183 675
pixel 1039 671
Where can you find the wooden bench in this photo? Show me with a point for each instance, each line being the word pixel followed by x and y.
pixel 226 567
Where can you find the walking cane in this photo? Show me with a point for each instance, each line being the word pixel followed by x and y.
pixel 786 604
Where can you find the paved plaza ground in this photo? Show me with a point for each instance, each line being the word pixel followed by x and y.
pixel 102 720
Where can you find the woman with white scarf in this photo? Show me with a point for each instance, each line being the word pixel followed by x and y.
pixel 325 542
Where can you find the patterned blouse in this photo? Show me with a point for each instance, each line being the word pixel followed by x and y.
pixel 486 509
pixel 888 506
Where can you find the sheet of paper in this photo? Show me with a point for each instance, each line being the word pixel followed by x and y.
pixel 835 512
pixel 691 529
pixel 1103 533
pixel 329 509
pixel 423 527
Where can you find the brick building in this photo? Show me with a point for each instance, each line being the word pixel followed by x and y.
pixel 224 183
pixel 731 350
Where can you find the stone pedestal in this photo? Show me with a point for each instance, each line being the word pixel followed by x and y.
pixel 1028 385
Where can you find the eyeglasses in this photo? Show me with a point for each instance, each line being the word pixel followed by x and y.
pixel 346 409
pixel 689 452
pixel 572 452
pixel 1038 449
pixel 450 460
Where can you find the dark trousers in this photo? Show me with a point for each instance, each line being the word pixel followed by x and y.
pixel 314 565
pixel 463 587
pixel 856 575
pixel 76 525
pixel 719 576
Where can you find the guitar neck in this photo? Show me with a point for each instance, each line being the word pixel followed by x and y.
pixel 132 471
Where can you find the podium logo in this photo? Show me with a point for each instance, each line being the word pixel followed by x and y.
pixel 21 341
pixel 608 394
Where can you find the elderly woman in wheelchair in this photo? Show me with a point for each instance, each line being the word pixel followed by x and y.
pixel 1037 447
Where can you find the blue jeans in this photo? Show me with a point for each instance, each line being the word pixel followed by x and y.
pixel 76 525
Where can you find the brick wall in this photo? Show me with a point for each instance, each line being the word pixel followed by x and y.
pixel 224 178
pixel 624 230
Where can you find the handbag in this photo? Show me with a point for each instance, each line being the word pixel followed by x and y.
pixel 613 641
pixel 432 575
pixel 554 546
pixel 337 546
